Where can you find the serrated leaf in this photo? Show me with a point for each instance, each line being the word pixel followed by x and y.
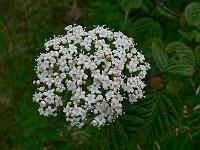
pixel 164 117
pixel 131 4
pixel 114 136
pixel 184 53
pixel 135 109
pixel 121 135
pixel 144 29
pixel 160 57
pixel 117 134
pixel 192 13
pixel 181 69
pixel 106 138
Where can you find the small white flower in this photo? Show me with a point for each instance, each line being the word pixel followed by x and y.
pixel 42 104
pixel 89 73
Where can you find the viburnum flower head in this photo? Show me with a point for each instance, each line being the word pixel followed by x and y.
pixel 88 74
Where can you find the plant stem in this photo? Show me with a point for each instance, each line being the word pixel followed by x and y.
pixel 167 8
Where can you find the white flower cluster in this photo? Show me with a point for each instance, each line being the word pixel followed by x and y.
pixel 89 74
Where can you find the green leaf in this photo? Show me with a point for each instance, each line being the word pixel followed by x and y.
pixel 183 52
pixel 131 4
pixel 160 57
pixel 165 13
pixel 181 69
pixel 182 61
pixel 145 7
pixel 114 136
pixel 144 29
pixel 197 38
pixel 189 34
pixel 197 55
pixel 106 138
pixel 121 135
pixel 131 109
pixel 135 115
pixel 164 116
pixel 192 13
pixel 132 120
pixel 104 12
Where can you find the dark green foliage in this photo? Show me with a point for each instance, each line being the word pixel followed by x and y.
pixel 167 32
pixel 192 13
pixel 148 121
pixel 129 5
pixel 144 29
pixel 160 57
pixel 184 63
pixel 128 125
pixel 165 116
pixel 181 69
pixel 107 14
pixel 183 52
pixel 115 136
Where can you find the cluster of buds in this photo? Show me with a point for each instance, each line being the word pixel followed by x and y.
pixel 89 74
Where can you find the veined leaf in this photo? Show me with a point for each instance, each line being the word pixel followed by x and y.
pixel 192 13
pixel 112 136
pixel 164 116
pixel 144 29
pixel 188 34
pixel 115 136
pixel 160 57
pixel 121 135
pixel 106 138
pixel 184 65
pixel 183 52
pixel 181 69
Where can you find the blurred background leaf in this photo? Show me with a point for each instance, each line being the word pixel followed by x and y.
pixel 192 13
